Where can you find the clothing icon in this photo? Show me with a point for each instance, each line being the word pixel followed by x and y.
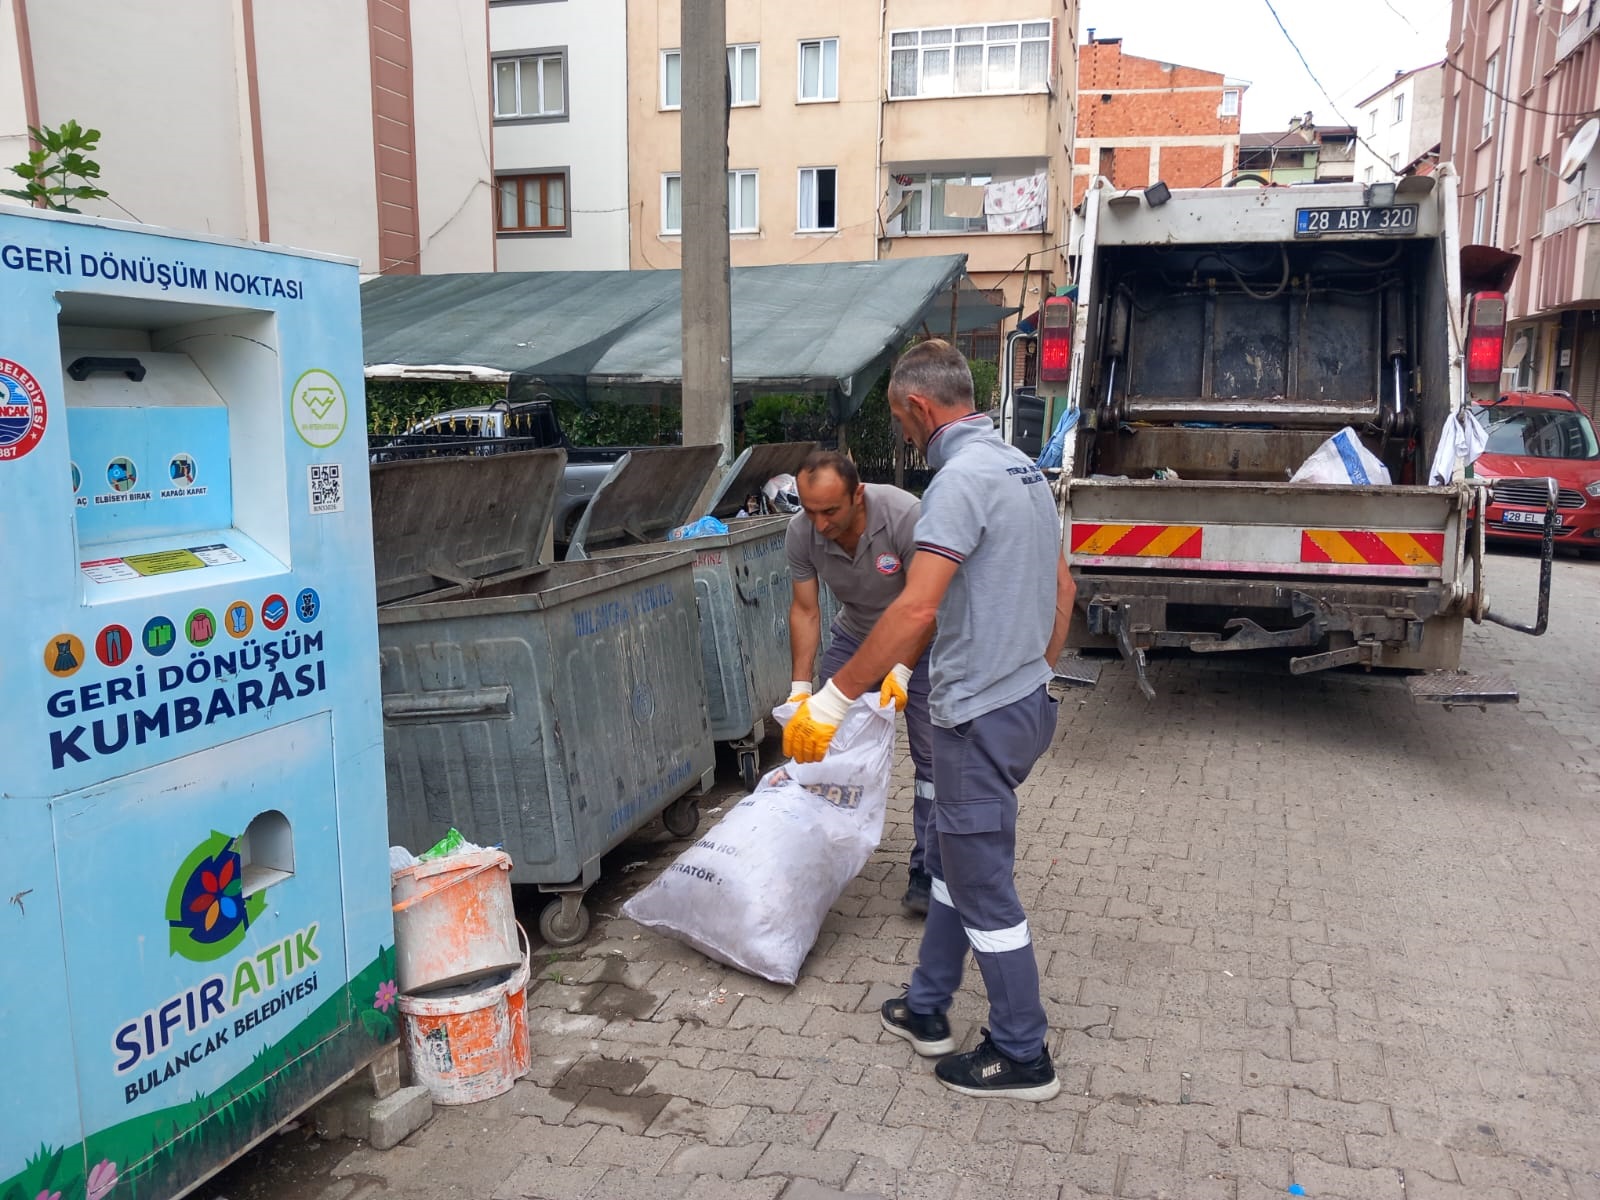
pixel 239 619
pixel 274 611
pixel 159 636
pixel 65 659
pixel 114 645
pixel 63 655
pixel 201 626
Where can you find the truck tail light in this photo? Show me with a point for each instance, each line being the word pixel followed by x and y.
pixel 1486 335
pixel 1055 340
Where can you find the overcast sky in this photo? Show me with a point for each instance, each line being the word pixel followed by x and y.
pixel 1354 46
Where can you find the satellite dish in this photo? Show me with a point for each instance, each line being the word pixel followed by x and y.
pixel 1578 149
pixel 1519 350
pixel 1570 6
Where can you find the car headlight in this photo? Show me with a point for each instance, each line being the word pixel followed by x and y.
pixel 1594 488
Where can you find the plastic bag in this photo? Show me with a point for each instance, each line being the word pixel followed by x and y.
pixel 1461 442
pixel 450 843
pixel 1342 459
pixel 1055 448
pixel 754 891
pixel 704 527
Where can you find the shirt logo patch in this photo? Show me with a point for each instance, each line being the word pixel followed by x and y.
pixel 888 564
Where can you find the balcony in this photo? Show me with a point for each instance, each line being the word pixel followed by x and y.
pixel 1582 208
pixel 1577 30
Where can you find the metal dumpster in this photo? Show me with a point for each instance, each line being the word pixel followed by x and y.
pixel 741 578
pixel 551 710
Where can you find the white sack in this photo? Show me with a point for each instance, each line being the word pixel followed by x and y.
pixel 1342 459
pixel 1461 441
pixel 753 892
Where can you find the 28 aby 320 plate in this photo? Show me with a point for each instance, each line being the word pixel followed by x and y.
pixel 1327 222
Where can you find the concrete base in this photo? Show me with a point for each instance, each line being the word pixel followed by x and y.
pixel 374 1109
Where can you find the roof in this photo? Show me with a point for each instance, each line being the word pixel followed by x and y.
pixel 1398 79
pixel 817 327
pixel 1293 139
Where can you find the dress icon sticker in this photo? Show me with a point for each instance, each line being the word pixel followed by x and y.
pixel 121 474
pixel 238 619
pixel 318 407
pixel 274 612
pixel 114 645
pixel 307 605
pixel 201 627
pixel 23 414
pixel 63 655
pixel 160 636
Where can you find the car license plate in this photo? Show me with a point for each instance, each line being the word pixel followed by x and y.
pixel 1512 517
pixel 1331 222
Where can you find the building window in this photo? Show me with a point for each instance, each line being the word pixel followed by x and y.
pixel 744 74
pixel 672 203
pixel 1399 108
pixel 818 208
pixel 1394 162
pixel 926 203
pixel 1491 80
pixel 1480 208
pixel 969 60
pixel 743 210
pixel 671 79
pixel 531 86
pixel 819 69
pixel 1230 102
pixel 1369 175
pixel 532 203
pixel 1372 123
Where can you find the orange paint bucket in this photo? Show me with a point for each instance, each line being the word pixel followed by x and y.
pixel 470 1042
pixel 453 921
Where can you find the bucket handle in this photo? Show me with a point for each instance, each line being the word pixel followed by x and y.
pixel 476 871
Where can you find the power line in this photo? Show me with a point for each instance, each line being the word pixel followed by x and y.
pixel 1293 46
pixel 1499 95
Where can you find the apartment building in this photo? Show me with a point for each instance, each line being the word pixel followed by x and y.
pixel 1400 124
pixel 1141 120
pixel 355 129
pixel 560 134
pixel 861 131
pixel 1521 87
pixel 1303 153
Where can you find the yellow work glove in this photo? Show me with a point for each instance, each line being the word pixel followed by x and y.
pixel 806 736
pixel 894 687
pixel 799 689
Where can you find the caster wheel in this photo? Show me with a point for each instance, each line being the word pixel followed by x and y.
pixel 558 931
pixel 682 817
pixel 749 769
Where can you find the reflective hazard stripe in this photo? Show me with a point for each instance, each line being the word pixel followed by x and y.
pixel 998 941
pixel 1138 541
pixel 1376 547
pixel 923 789
pixel 941 893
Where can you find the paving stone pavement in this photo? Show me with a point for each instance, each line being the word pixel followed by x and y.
pixel 1290 931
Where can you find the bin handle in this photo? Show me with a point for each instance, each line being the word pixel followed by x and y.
pixel 81 368
pixel 456 705
pixel 444 569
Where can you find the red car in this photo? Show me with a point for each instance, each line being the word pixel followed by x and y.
pixel 1534 435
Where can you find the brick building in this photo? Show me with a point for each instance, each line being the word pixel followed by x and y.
pixel 1140 120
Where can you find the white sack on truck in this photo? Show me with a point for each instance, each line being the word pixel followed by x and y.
pixel 1342 459
pixel 754 891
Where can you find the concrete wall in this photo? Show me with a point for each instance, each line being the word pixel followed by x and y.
pixel 591 144
pixel 450 70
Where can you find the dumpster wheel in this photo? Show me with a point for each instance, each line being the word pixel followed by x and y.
pixel 560 927
pixel 749 768
pixel 682 816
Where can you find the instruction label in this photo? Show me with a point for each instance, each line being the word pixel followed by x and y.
pixel 158 562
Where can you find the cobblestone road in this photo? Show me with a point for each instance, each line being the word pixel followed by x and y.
pixel 1292 931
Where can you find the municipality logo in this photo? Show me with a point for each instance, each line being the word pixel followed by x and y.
pixel 317 404
pixel 207 910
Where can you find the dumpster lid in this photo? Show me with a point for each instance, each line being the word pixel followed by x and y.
pixel 752 469
pixel 443 521
pixel 650 492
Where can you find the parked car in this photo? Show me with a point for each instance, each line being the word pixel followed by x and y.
pixel 1534 436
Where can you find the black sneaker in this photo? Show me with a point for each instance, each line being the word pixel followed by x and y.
pixel 928 1033
pixel 919 894
pixel 987 1072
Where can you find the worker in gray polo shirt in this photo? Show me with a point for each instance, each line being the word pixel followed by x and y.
pixel 858 538
pixel 989 570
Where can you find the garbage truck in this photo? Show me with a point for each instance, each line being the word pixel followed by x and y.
pixel 1218 341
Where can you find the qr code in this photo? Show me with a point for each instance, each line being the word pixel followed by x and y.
pixel 327 487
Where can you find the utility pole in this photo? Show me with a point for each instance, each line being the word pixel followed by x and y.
pixel 707 316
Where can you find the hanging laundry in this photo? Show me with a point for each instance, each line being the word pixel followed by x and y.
pixel 1016 204
pixel 963 200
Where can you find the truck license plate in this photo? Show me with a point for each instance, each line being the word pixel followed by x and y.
pixel 1329 222
pixel 1512 517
